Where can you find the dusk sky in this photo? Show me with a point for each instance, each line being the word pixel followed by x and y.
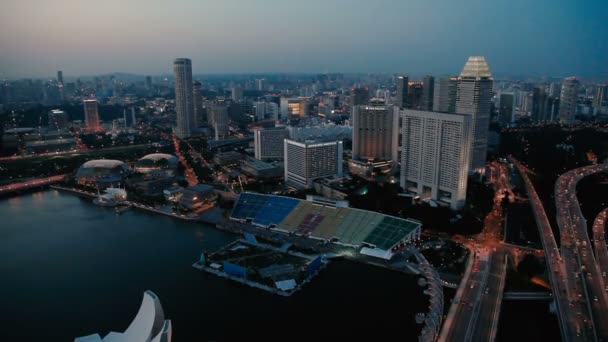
pixel 521 37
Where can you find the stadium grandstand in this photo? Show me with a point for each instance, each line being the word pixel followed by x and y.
pixel 319 218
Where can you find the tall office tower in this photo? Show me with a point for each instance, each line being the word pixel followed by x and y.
pixel 197 97
pixel 375 131
pixel 414 95
pixel 555 89
pixel 91 115
pixel 428 89
pixel 129 120
pixel 568 100
pixel 58 119
pixel 505 111
pixel 148 82
pixel 237 93
pixel 435 155
pixel 359 96
pixel 294 106
pixel 260 84
pixel 525 109
pixel 219 118
pixel 444 96
pixel 601 96
pixel 60 77
pixel 539 103
pixel 402 88
pixel 307 161
pixel 259 108
pixel 552 109
pixel 474 97
pixel 184 102
pixel 268 142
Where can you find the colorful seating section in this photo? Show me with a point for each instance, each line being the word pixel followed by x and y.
pixel 347 225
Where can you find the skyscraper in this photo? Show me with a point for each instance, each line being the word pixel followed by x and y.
pixel 307 161
pixel 601 96
pixel 268 143
pixel 198 105
pixel 402 89
pixel 414 95
pixel 237 93
pixel 91 115
pixel 444 95
pixel 260 84
pixel 60 77
pixel 435 155
pixel 505 112
pixel 428 89
pixel 148 82
pixel 184 102
pixel 375 131
pixel 219 119
pixel 568 100
pixel 539 103
pixel 58 119
pixel 474 97
pixel 359 96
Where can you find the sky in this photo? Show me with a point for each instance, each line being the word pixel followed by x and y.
pixel 518 37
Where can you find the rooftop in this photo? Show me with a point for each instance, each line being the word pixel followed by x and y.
pixel 476 67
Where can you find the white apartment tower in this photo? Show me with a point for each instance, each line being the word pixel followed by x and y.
pixel 184 96
pixel 375 131
pixel 435 155
pixel 307 161
pixel 474 97
pixel 268 143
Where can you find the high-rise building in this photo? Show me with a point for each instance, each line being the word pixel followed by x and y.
pixel 414 95
pixel 268 143
pixel 129 120
pixel 294 106
pixel 474 97
pixel 199 111
pixel 237 93
pixel 601 96
pixel 307 161
pixel 505 111
pixel 402 91
pixel 444 96
pixel 359 96
pixel 375 131
pixel 568 100
pixel 148 82
pixel 60 77
pixel 219 119
pixel 91 115
pixel 428 89
pixel 58 119
pixel 260 84
pixel 539 103
pixel 435 155
pixel 184 102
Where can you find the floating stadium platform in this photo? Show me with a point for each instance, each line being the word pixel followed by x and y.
pixel 319 218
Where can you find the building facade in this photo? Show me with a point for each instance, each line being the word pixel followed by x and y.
pixel 435 156
pixel 199 111
pixel 268 143
pixel 219 120
pixel 474 97
pixel 428 89
pixel 568 100
pixel 444 95
pixel 184 96
pixel 375 131
pixel 402 91
pixel 91 115
pixel 307 161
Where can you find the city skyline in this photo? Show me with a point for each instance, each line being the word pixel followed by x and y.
pixel 232 37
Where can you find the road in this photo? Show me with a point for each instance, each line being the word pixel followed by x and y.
pixel 14 187
pixel 586 287
pixel 599 241
pixel 570 325
pixel 475 311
